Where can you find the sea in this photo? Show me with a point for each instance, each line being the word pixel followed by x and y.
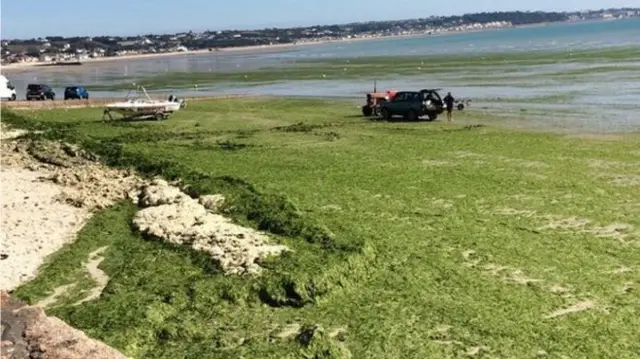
pixel 619 92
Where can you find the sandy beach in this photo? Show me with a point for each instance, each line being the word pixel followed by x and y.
pixel 44 205
pixel 34 225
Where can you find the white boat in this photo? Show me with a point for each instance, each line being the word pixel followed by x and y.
pixel 139 107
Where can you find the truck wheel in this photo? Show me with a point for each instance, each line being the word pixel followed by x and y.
pixel 412 116
pixel 385 114
pixel 13 97
pixel 367 111
pixel 460 107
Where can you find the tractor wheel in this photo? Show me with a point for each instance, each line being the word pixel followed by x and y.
pixel 367 111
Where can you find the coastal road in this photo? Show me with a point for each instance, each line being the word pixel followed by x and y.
pixel 48 104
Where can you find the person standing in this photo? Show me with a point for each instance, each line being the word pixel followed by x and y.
pixel 448 101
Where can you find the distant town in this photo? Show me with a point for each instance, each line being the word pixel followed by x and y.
pixel 53 49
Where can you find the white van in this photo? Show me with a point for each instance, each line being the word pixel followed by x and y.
pixel 7 90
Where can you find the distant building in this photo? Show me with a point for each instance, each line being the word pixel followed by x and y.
pixel 45 58
pixel 97 53
pixel 127 43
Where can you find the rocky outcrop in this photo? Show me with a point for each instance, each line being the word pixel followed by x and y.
pixel 172 215
pixel 28 333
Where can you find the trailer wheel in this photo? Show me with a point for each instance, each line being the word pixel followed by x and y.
pixel 367 111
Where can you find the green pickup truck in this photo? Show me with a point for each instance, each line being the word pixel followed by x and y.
pixel 412 105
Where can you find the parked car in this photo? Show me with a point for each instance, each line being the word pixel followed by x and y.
pixel 76 92
pixel 413 105
pixel 40 92
pixel 7 90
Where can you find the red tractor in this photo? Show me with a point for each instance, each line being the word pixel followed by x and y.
pixel 374 99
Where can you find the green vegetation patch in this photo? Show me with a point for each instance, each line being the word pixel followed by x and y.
pixel 413 240
pixel 630 53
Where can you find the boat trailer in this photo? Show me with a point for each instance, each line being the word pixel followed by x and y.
pixel 136 108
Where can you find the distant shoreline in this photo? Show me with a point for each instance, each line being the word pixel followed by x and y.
pixel 24 66
pixel 27 66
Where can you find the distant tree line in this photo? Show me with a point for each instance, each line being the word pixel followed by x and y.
pixel 289 35
pixel 516 17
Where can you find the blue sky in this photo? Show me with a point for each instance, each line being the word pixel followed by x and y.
pixel 33 18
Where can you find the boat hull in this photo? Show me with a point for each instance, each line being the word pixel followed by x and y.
pixel 135 108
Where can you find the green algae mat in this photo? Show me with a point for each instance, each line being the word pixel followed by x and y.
pixel 409 240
